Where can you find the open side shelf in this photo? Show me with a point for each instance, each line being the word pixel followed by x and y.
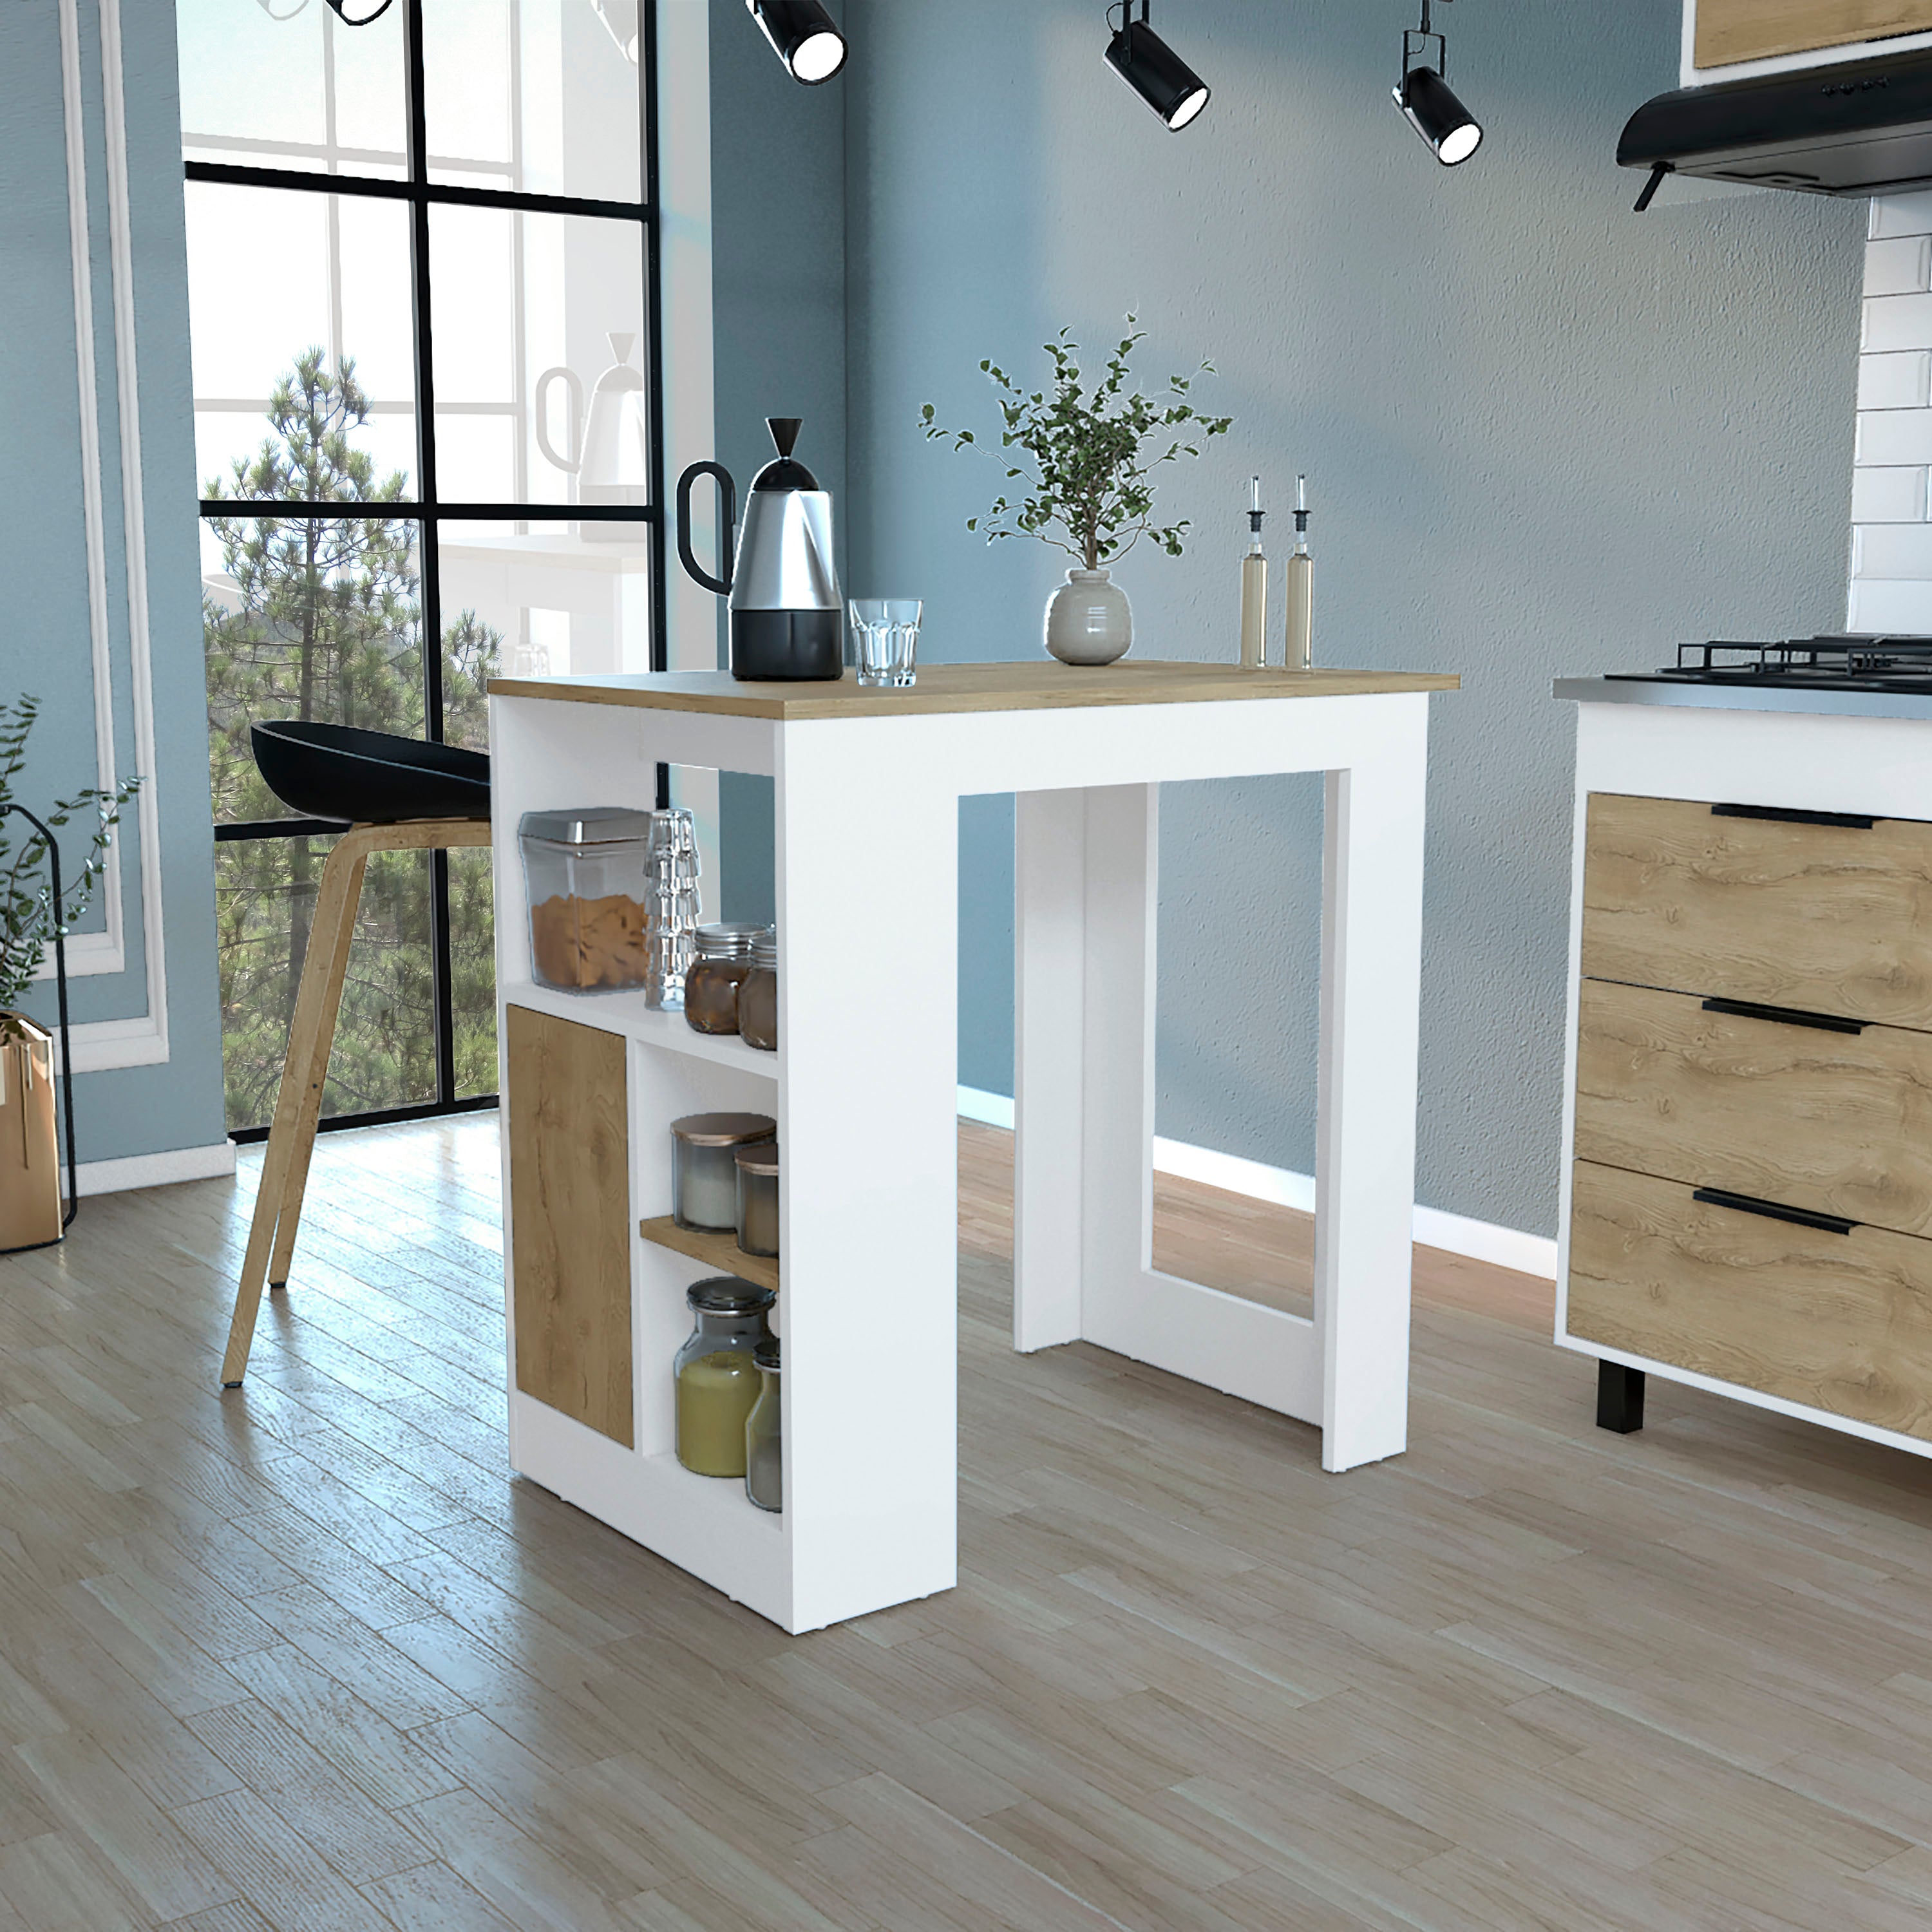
pixel 631 1015
pixel 720 1253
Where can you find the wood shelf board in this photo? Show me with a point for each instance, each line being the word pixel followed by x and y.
pixel 719 1252
pixel 1036 684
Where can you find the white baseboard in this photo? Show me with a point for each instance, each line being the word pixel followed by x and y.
pixel 155 1170
pixel 990 1110
pixel 1479 1241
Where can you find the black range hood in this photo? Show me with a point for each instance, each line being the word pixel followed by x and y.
pixel 1861 127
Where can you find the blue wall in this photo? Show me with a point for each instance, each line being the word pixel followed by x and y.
pixel 1544 437
pixel 45 644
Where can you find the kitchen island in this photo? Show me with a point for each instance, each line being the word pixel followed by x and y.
pixel 1747 1160
pixel 864 1089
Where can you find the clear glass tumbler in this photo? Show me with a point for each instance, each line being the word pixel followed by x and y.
pixel 885 632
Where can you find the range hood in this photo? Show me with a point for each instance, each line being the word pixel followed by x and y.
pixel 1864 127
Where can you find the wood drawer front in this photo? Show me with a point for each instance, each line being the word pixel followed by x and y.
pixel 1838 1122
pixel 1831 918
pixel 1730 30
pixel 570 1220
pixel 1837 1322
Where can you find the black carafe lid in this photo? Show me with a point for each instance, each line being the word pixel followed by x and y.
pixel 784 474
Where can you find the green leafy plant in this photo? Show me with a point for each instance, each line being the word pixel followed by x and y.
pixel 1090 454
pixel 29 917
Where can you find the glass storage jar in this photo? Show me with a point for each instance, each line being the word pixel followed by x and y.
pixel 764 1437
pixel 586 878
pixel 757 1203
pixel 717 1380
pixel 711 986
pixel 704 1180
pixel 758 995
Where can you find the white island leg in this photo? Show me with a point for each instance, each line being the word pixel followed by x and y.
pixel 868 912
pixel 1086 870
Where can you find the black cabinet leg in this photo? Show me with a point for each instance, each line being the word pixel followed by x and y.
pixel 1619 1398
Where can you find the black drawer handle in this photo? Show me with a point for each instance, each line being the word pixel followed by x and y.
pixel 1852 821
pixel 1774 1210
pixel 1750 1009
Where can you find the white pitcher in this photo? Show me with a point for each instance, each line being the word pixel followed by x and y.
pixel 608 454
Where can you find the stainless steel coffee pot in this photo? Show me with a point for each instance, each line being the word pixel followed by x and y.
pixel 787 618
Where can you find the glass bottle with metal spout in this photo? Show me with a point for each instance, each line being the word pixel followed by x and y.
pixel 1300 592
pixel 1254 588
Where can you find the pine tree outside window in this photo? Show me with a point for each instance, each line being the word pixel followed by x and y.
pixel 415 247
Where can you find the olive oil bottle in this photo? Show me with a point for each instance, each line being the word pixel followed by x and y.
pixel 1254 588
pixel 1300 589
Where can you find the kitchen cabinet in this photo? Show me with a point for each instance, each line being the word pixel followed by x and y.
pixel 1747 1160
pixel 1724 40
pixel 864 1086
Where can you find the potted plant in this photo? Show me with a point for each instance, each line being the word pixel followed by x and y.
pixel 1086 466
pixel 31 913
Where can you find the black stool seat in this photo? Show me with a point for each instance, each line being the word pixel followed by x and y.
pixel 369 777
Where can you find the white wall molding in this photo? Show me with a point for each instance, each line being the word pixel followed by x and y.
pixel 1477 1240
pixel 142 1040
pixel 155 1170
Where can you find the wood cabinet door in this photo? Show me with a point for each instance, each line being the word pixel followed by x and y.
pixel 1837 1322
pixel 1829 918
pixel 1838 1122
pixel 1731 31
pixel 570 1220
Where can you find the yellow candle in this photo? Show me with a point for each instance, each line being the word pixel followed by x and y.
pixel 715 1393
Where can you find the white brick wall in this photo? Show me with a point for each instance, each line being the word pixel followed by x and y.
pixel 1891 514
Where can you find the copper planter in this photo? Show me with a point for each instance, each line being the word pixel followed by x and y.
pixel 30 1192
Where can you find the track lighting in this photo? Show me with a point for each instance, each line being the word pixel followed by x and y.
pixel 358 13
pixel 1152 69
pixel 1432 109
pixel 803 36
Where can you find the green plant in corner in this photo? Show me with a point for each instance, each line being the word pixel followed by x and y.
pixel 1091 454
pixel 29 917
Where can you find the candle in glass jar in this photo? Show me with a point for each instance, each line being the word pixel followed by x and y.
pixel 704 1184
pixel 757 1202
pixel 715 1395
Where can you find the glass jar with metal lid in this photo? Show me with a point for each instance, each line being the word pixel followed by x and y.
pixel 704 1178
pixel 758 995
pixel 586 876
pixel 757 1202
pixel 764 1436
pixel 717 1379
pixel 711 986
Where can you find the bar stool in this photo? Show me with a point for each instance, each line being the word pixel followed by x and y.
pixel 317 769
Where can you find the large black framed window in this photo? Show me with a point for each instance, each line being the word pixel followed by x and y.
pixel 423 275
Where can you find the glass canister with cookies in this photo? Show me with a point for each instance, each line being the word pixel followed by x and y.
pixel 586 875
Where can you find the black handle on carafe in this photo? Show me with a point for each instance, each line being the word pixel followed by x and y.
pixel 727 491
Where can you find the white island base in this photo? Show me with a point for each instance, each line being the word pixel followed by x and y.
pixel 867 786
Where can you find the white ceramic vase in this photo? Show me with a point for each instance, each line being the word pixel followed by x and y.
pixel 1089 620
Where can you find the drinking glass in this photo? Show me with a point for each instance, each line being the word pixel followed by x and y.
pixel 886 634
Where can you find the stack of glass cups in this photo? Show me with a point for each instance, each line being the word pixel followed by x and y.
pixel 675 908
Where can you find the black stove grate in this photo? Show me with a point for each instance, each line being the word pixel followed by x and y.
pixel 1871 662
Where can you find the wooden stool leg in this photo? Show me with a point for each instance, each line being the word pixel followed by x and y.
pixel 302 1077
pixel 289 1209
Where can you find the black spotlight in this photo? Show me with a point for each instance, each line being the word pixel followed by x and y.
pixel 803 36
pixel 1152 69
pixel 358 13
pixel 1452 132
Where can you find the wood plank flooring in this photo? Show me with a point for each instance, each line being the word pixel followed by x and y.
pixel 304 1658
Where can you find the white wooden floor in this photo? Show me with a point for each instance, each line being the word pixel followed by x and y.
pixel 306 1659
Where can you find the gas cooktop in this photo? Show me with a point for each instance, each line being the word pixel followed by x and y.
pixel 1873 662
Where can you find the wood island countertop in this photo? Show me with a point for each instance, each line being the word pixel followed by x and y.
pixel 1040 685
